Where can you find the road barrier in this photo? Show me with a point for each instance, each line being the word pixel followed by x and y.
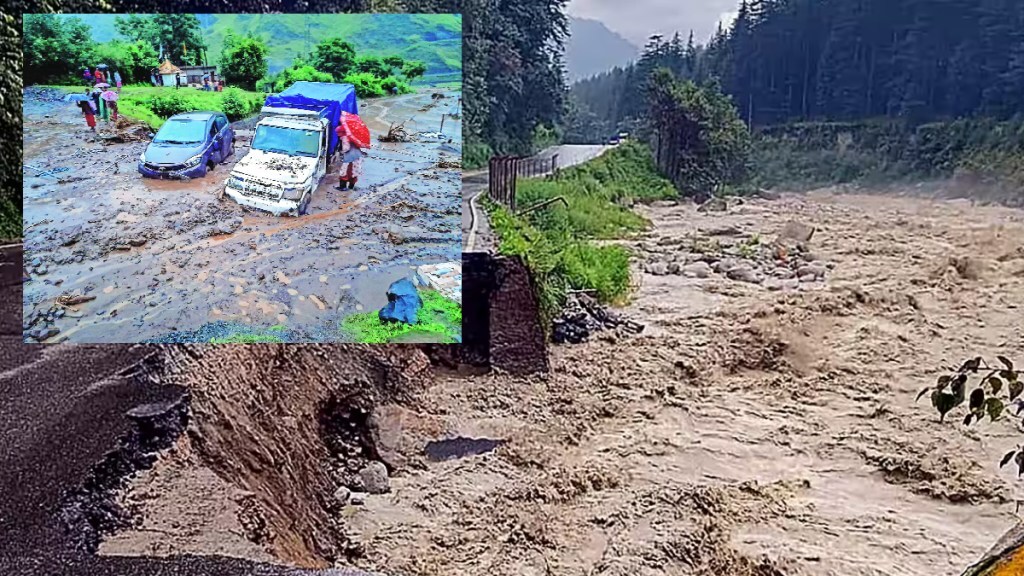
pixel 504 172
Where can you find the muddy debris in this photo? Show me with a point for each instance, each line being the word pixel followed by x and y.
pixel 459 447
pixel 74 299
pixel 395 133
pixel 583 316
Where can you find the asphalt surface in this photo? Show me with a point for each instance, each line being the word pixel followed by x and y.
pixel 476 233
pixel 62 409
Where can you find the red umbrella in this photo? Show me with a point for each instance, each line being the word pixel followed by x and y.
pixel 355 129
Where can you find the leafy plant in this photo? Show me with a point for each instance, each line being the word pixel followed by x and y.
pixel 244 60
pixel 438 316
pixel 997 389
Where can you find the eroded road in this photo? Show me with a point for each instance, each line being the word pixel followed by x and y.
pixel 169 261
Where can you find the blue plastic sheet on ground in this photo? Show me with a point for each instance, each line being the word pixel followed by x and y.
pixel 403 303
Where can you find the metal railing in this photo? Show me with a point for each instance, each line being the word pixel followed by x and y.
pixel 504 172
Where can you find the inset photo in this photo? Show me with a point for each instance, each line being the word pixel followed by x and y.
pixel 242 178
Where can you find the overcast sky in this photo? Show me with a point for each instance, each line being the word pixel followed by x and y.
pixel 638 19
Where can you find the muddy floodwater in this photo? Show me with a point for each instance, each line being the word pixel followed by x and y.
pixel 113 257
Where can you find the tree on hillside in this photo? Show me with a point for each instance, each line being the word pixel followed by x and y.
pixel 55 47
pixel 334 56
pixel 243 61
pixel 413 70
pixel 299 72
pixel 133 60
pixel 373 65
pixel 394 62
pixel 699 140
pixel 180 35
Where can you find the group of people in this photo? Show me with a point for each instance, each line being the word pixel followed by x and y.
pixel 100 99
pixel 99 77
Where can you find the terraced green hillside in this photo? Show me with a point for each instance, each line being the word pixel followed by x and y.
pixel 435 39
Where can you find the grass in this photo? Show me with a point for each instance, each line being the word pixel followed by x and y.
pixel 438 315
pixel 153 104
pixel 558 244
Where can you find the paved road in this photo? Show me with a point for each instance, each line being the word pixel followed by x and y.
pixel 62 410
pixel 476 236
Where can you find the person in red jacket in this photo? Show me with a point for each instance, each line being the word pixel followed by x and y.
pixel 99 76
pixel 351 161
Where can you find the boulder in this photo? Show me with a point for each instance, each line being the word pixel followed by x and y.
pixel 744 273
pixel 696 270
pixel 229 226
pixel 403 303
pixel 373 479
pixel 797 232
pixel 658 269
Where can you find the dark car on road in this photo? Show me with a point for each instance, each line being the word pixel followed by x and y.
pixel 188 145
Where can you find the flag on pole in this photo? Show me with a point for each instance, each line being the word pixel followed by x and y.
pixel 161 51
pixel 184 50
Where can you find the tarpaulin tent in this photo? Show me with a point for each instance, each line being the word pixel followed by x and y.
pixel 318 96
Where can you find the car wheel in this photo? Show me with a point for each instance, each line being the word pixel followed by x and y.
pixel 304 204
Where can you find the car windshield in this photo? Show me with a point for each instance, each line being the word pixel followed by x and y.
pixel 181 131
pixel 291 141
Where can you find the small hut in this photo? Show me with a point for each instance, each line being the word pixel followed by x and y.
pixel 168 72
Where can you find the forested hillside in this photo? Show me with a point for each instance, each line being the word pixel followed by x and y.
pixel 919 60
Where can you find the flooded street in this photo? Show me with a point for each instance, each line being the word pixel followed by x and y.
pixel 113 257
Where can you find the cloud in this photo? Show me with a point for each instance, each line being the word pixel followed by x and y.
pixel 645 17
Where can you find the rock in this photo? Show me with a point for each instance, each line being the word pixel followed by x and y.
pixel 36 262
pixel 69 236
pixel 714 205
pixel 136 242
pixel 664 203
pixel 768 194
pixel 658 269
pixel 790 284
pixel 724 265
pixel 807 278
pixel 744 273
pixel 795 231
pixel 783 273
pixel 814 270
pixel 229 226
pixel 773 284
pixel 342 495
pixel 357 498
pixel 374 478
pixel 697 270
pixel 403 303
pixel 674 268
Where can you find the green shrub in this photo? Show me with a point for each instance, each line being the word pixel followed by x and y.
pixel 366 84
pixel 475 154
pixel 390 83
pixel 234 105
pixel 438 315
pixel 169 103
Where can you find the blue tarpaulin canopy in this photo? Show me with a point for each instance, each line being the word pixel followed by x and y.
pixel 327 98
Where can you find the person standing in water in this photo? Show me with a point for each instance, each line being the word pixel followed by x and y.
pixel 351 161
pixel 89 113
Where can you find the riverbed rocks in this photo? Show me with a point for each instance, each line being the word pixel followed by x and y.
pixel 729 252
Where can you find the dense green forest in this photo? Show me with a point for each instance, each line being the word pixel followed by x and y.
pixel 846 90
pixel 788 60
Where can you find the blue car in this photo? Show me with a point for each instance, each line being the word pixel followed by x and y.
pixel 188 145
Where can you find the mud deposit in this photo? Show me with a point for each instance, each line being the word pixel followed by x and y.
pixel 167 261
pixel 746 432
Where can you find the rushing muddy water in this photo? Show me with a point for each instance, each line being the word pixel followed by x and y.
pixel 171 261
